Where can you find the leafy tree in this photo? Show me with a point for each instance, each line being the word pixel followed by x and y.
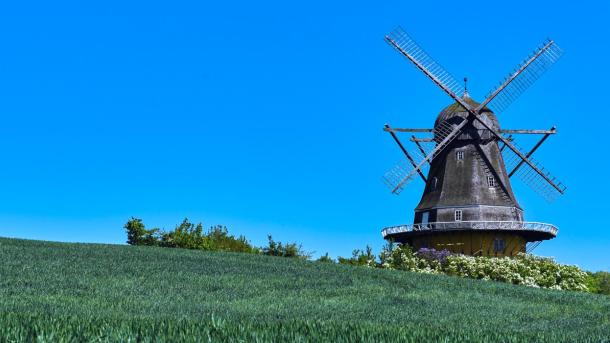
pixel 137 234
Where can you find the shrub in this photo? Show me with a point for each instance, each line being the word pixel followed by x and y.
pixel 401 257
pixel 138 235
pixel 599 282
pixel 325 259
pixel 523 269
pixel 219 239
pixel 188 236
pixel 285 249
pixel 360 258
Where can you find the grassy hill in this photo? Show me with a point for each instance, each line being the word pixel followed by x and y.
pixel 75 292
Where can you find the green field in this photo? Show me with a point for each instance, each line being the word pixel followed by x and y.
pixel 80 292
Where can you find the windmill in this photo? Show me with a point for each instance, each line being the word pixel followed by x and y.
pixel 467 161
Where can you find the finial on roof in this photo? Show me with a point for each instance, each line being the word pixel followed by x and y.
pixel 465 88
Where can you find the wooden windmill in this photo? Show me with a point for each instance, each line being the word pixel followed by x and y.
pixel 468 205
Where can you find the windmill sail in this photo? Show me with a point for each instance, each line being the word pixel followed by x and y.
pixel 407 47
pixel 547 186
pixel 523 77
pixel 399 177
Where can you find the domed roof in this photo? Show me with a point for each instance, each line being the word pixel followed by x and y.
pixel 456 110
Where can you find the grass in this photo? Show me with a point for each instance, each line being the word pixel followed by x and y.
pixel 84 292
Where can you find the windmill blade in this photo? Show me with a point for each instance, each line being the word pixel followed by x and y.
pixel 546 135
pixel 400 176
pixel 407 47
pixel 393 134
pixel 530 246
pixel 419 146
pixel 532 173
pixel 523 77
pixel 538 179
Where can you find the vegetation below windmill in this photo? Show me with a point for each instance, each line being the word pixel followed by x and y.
pixel 66 292
pixel 524 269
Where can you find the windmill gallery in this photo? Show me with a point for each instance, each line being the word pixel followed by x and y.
pixel 468 205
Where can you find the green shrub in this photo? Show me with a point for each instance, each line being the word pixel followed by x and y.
pixel 285 249
pixel 599 282
pixel 219 239
pixel 138 235
pixel 325 259
pixel 360 258
pixel 187 236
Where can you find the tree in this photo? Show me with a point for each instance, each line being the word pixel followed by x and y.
pixel 137 233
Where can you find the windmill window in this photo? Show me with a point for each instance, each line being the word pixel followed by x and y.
pixel 458 215
pixel 433 183
pixel 491 182
pixel 425 217
pixel 459 155
pixel 499 245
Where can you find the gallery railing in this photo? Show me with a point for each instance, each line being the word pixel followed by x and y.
pixel 472 225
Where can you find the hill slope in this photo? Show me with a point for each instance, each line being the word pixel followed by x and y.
pixel 61 291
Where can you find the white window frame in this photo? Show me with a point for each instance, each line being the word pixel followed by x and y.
pixel 459 155
pixel 457 215
pixel 491 181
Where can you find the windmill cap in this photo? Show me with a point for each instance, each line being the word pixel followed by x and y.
pixel 456 110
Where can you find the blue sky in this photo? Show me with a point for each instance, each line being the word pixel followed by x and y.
pixel 267 116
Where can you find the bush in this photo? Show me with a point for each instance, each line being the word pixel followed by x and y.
pixel 219 239
pixel 188 236
pixel 285 249
pixel 360 258
pixel 325 259
pixel 138 235
pixel 599 282
pixel 523 269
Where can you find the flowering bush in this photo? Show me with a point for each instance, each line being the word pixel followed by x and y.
pixel 524 269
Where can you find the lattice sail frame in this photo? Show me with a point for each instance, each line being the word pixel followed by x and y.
pixel 406 46
pixel 531 178
pixel 399 176
pixel 523 76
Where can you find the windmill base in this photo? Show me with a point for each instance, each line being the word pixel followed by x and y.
pixel 481 238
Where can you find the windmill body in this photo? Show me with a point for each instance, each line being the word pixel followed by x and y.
pixel 468 205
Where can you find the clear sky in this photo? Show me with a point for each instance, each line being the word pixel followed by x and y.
pixel 267 116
